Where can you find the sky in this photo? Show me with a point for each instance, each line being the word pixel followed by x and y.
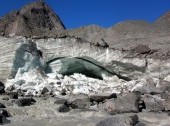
pixel 105 13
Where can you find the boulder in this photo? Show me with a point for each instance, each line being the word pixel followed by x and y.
pixel 166 97
pixel 119 121
pixel 2 105
pixel 64 108
pixel 153 103
pixel 126 103
pixel 140 124
pixel 60 100
pixel 5 113
pixel 100 97
pixel 13 95
pixel 2 87
pixel 141 49
pixel 25 101
pixel 79 102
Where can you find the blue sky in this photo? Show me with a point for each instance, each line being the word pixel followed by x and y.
pixel 76 13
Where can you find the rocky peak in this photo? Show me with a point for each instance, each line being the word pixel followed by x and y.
pixel 31 20
pixel 165 17
pixel 164 22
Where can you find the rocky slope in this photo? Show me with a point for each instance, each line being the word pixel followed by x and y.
pixel 122 69
pixel 32 20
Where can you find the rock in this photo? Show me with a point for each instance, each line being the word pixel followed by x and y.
pixel 141 105
pixel 141 49
pixel 2 87
pixel 44 91
pixel 119 121
pixel 60 101
pixel 5 98
pixel 101 97
pixel 64 108
pixel 79 102
pixel 146 86
pixel 25 101
pixel 63 92
pixel 140 124
pixel 166 103
pixel 2 105
pixel 13 95
pixel 5 113
pixel 153 103
pixel 3 120
pixel 126 103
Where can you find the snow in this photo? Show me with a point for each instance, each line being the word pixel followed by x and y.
pixel 34 82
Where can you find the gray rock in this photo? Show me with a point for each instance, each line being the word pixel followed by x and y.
pixel 101 97
pixel 79 102
pixel 141 49
pixel 140 124
pixel 5 113
pixel 5 98
pixel 2 105
pixel 3 120
pixel 60 101
pixel 13 95
pixel 126 103
pixel 2 87
pixel 64 108
pixel 166 97
pixel 25 101
pixel 119 121
pixel 153 103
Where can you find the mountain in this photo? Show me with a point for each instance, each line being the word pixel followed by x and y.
pixel 31 20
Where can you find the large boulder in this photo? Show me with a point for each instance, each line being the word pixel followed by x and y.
pixel 126 103
pixel 153 103
pixel 119 121
pixel 2 87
